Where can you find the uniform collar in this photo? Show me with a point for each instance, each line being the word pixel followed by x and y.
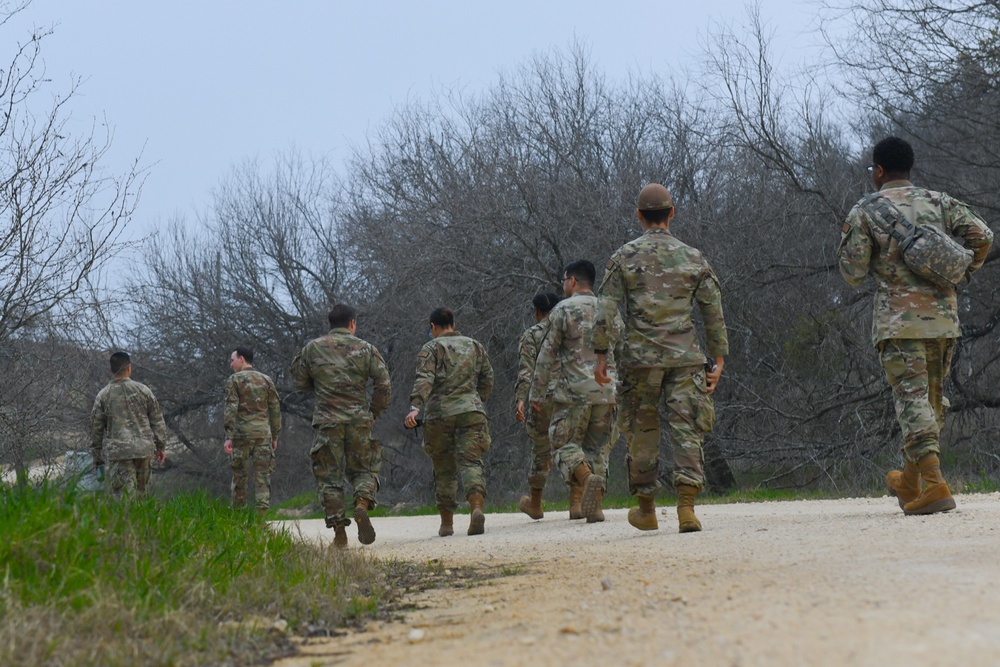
pixel 902 183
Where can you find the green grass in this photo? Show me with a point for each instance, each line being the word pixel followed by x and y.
pixel 180 582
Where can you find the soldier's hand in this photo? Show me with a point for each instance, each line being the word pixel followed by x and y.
pixel 411 419
pixel 536 407
pixel 228 446
pixel 712 377
pixel 601 370
pixel 274 445
pixel 161 456
pixel 519 411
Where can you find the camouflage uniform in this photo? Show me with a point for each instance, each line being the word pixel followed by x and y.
pixel 583 412
pixel 337 368
pixel 454 377
pixel 656 280
pixel 252 422
pixel 126 425
pixel 535 423
pixel 915 322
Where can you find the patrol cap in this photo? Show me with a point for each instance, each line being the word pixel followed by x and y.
pixel 654 197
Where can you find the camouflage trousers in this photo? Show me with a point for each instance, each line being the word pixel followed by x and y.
pixel 916 369
pixel 340 449
pixel 580 433
pixel 129 477
pixel 258 456
pixel 537 426
pixel 690 415
pixel 456 446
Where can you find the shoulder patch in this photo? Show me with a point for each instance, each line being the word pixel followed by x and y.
pixel 846 228
pixel 610 265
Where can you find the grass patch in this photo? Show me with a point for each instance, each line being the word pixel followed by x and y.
pixel 186 581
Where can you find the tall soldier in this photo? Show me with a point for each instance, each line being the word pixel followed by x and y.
pixel 915 321
pixel 537 423
pixel 454 377
pixel 583 411
pixel 656 280
pixel 126 428
pixel 252 422
pixel 337 367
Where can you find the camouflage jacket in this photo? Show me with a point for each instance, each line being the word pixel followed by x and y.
pixel 337 367
pixel 567 355
pixel 655 280
pixel 252 408
pixel 528 346
pixel 454 376
pixel 126 422
pixel 906 305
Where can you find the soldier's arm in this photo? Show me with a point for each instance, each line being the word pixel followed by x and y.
pixel 975 234
pixel 231 408
pixel 484 381
pixel 98 425
pixel 300 372
pixel 382 389
pixel 611 296
pixel 855 250
pixel 547 355
pixel 156 422
pixel 709 298
pixel 424 382
pixel 527 352
pixel 273 410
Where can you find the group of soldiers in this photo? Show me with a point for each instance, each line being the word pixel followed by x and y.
pixel 594 365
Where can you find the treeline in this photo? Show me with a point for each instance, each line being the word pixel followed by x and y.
pixel 477 203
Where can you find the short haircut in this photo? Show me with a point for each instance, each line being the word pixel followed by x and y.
pixel 443 317
pixel 341 316
pixel 119 361
pixel 583 270
pixel 244 352
pixel 893 154
pixel 545 302
pixel 657 216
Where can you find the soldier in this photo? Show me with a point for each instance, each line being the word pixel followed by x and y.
pixel 454 377
pixel 538 424
pixel 126 428
pixel 655 280
pixel 252 422
pixel 337 367
pixel 583 411
pixel 915 321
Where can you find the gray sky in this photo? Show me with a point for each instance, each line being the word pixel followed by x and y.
pixel 201 86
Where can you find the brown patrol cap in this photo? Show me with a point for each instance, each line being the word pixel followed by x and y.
pixel 654 197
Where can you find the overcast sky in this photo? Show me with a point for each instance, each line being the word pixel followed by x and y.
pixel 201 86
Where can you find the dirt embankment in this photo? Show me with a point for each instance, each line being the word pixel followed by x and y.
pixel 840 582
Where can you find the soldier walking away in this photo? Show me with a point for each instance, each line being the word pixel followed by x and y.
pixel 126 430
pixel 655 281
pixel 583 411
pixel 338 367
pixel 915 321
pixel 537 423
pixel 454 377
pixel 252 422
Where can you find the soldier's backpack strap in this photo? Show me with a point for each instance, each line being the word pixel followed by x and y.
pixel 885 214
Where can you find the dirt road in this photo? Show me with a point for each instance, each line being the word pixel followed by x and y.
pixel 839 582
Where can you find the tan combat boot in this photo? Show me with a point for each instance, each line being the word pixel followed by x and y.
pixel 936 496
pixel 477 521
pixel 261 512
pixel 598 514
pixel 340 536
pixel 447 523
pixel 575 496
pixel 366 532
pixel 688 522
pixel 592 486
pixel 905 484
pixel 532 504
pixel 643 517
